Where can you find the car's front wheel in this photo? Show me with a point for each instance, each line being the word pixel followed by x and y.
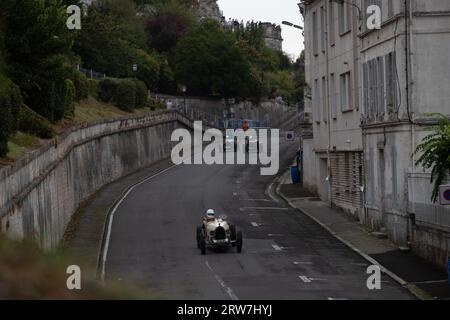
pixel 199 236
pixel 239 241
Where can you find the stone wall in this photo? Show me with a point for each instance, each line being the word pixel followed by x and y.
pixel 40 193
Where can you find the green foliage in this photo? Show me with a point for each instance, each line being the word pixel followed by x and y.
pixel 33 123
pixel 141 94
pixel 69 101
pixel 39 46
pixel 81 86
pixel 107 89
pixel 125 97
pixel 148 69
pixel 10 102
pixel 435 154
pixel 93 87
pixel 209 61
pixel 281 83
pixel 168 25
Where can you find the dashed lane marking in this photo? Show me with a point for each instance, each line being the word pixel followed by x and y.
pixel 222 283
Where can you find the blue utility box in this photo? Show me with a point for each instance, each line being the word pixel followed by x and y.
pixel 295 174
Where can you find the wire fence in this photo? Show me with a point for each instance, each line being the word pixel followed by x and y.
pixel 91 74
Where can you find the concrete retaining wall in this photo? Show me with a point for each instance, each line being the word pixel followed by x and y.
pixel 40 192
pixel 211 110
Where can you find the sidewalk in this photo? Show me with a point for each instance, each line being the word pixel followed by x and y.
pixel 419 276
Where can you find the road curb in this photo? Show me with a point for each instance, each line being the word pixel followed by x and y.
pixel 412 288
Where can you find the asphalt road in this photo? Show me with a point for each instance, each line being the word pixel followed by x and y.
pixel 285 255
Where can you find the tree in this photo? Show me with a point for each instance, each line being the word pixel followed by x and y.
pixel 171 22
pixel 39 51
pixel 435 154
pixel 210 62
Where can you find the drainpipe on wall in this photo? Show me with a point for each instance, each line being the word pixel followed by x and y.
pixel 408 67
pixel 327 77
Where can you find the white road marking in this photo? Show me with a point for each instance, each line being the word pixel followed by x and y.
pixel 235 194
pixel 305 279
pixel 299 262
pixel 270 194
pixel 228 290
pixel 114 209
pixel 264 208
pixel 431 281
pixel 308 280
pixel 254 224
pixel 277 247
pixel 332 299
pixel 274 235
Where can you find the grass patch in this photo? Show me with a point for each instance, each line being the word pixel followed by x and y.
pixel 91 110
pixel 19 143
pixel 26 272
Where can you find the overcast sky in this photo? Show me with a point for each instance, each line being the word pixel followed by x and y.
pixel 273 11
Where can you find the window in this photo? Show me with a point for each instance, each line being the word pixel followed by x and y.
pixel 314 30
pixel 366 89
pixel 380 86
pixel 331 23
pixel 390 10
pixel 316 101
pixel 381 108
pixel 322 30
pixel 324 100
pixel 333 97
pixel 391 82
pixel 345 11
pixel 345 92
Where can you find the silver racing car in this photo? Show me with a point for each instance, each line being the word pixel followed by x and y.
pixel 217 233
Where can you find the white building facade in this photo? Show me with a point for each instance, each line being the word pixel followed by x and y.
pixel 401 74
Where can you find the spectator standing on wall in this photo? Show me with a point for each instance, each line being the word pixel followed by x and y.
pixel 169 104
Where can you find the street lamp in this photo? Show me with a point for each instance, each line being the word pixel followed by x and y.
pixel 290 24
pixel 352 4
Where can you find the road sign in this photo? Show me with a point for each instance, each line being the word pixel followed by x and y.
pixel 290 136
pixel 444 195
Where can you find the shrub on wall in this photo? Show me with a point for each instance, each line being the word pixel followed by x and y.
pixel 125 97
pixel 107 89
pixel 93 87
pixel 69 98
pixel 32 123
pixel 10 102
pixel 81 86
pixel 141 94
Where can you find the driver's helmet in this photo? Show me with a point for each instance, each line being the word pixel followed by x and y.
pixel 210 214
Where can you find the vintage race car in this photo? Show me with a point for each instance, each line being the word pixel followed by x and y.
pixel 218 234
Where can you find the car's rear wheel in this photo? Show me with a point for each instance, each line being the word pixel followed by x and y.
pixel 203 246
pixel 233 233
pixel 199 236
pixel 239 242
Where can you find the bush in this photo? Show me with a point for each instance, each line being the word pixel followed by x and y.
pixel 125 97
pixel 93 87
pixel 155 104
pixel 10 102
pixel 81 86
pixel 141 94
pixel 107 89
pixel 32 123
pixel 69 98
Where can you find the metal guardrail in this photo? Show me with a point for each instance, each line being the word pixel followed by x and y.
pixel 91 74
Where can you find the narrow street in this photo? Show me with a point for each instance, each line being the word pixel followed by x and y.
pixel 285 256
